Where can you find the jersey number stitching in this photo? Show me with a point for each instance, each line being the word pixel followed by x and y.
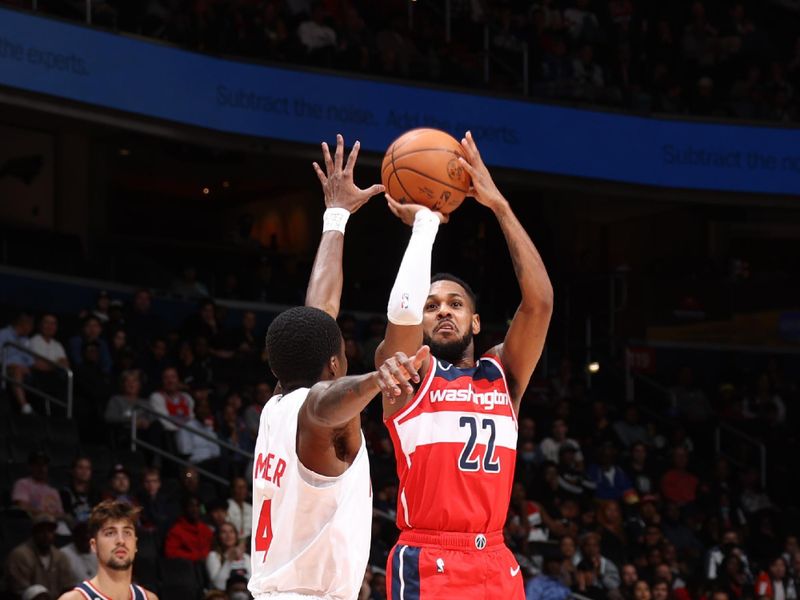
pixel 491 464
pixel 263 534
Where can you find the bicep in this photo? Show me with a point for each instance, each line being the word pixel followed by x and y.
pixel 522 347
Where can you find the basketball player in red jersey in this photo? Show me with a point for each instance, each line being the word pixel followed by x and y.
pixel 455 435
pixel 112 527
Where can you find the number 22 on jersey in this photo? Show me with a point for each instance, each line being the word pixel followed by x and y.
pixel 490 463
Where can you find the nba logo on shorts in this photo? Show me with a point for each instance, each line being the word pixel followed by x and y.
pixel 480 541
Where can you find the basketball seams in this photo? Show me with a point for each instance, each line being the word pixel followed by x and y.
pixel 427 176
pixel 396 176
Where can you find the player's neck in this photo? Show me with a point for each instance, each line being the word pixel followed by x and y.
pixel 114 584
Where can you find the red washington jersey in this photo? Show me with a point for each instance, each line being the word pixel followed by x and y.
pixel 456 446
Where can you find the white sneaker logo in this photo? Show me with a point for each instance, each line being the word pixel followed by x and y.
pixel 513 571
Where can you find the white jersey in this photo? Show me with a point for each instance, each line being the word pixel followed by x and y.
pixel 311 533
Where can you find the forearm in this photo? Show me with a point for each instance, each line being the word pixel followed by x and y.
pixel 325 284
pixel 333 404
pixel 529 268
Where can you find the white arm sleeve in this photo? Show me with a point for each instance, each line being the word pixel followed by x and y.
pixel 413 282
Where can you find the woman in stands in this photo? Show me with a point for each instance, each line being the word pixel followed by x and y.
pixel 227 557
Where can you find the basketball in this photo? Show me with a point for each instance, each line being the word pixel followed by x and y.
pixel 421 166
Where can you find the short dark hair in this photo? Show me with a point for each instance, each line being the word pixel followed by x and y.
pixel 111 510
pixel 467 288
pixel 300 342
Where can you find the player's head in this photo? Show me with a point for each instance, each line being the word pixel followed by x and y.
pixel 450 318
pixel 112 533
pixel 304 346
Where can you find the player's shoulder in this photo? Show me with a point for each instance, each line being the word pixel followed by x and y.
pixel 72 595
pixel 150 595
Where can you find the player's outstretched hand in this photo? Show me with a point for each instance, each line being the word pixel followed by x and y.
pixel 483 188
pixel 397 373
pixel 408 212
pixel 337 179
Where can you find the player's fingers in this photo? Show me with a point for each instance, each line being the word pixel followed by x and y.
pixel 338 157
pixel 373 190
pixel 467 167
pixel 401 376
pixel 351 159
pixel 389 380
pixel 410 367
pixel 392 207
pixel 326 154
pixel 320 175
pixel 421 356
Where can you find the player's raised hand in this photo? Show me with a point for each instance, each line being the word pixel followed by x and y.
pixel 337 179
pixel 483 188
pixel 408 212
pixel 397 373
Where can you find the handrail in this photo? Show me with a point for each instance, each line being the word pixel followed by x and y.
pixel 47 397
pixel 135 441
pixel 762 448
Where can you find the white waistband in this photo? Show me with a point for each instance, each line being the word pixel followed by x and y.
pixel 287 596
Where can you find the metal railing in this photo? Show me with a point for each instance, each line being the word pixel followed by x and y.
pixel 741 440
pixel 140 407
pixel 48 398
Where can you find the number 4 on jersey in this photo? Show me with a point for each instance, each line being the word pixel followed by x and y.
pixel 490 464
pixel 263 533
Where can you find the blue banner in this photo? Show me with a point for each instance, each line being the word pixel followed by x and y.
pixel 113 71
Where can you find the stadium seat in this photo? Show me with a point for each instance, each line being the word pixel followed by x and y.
pixel 62 429
pixel 179 579
pixel 21 447
pixel 61 453
pixel 29 427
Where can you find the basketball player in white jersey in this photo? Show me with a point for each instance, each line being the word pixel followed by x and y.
pixel 112 527
pixel 312 495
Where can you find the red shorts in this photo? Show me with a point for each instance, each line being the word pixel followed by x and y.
pixel 427 565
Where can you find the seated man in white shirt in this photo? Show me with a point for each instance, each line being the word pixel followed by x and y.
pixel 46 375
pixel 196 448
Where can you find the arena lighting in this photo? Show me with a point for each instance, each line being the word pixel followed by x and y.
pixel 226 184
pixel 206 191
pixel 593 367
pixel 124 152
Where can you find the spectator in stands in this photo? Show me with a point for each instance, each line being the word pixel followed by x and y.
pixel 152 363
pixel 236 588
pixel 216 514
pixel 38 562
pixel 120 408
pixel 550 446
pixel 187 284
pixel 729 546
pixel 234 431
pixel 79 495
pixel 607 479
pixel 119 486
pixel 93 387
pixel 227 557
pixel 34 494
pixel 252 414
pixel 91 333
pixel 158 510
pixel 548 585
pixel 170 401
pixel 613 541
pixel 189 538
pixel 240 511
pixel 79 554
pixel 605 572
pixel 197 449
pixel 202 323
pixel 314 33
pixel 678 484
pixel 640 471
pixel 192 485
pixel 101 307
pixel 689 400
pixel 142 324
pixel 45 344
pixel 18 363
pixel 629 576
pixel 630 430
pixel 756 407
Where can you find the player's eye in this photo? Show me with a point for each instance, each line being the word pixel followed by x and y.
pixel 457 304
pixel 430 306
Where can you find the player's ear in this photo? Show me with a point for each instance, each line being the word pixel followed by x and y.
pixel 333 365
pixel 93 545
pixel 476 324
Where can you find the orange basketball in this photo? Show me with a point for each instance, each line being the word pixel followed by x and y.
pixel 421 166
